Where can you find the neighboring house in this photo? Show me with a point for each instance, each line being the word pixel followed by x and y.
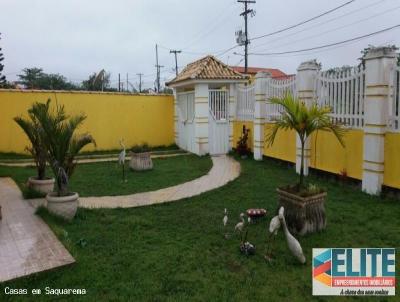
pixel 252 71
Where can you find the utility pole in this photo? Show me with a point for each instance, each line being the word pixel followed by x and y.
pixel 246 42
pixel 127 87
pixel 140 82
pixel 158 70
pixel 175 52
pixel 119 82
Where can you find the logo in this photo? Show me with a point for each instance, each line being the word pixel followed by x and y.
pixel 354 271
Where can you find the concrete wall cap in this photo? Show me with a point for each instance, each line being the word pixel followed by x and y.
pixel 309 65
pixel 381 52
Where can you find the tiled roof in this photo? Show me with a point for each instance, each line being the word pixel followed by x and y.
pixel 275 73
pixel 207 68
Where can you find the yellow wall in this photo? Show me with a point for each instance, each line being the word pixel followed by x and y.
pixel 237 132
pixel 329 155
pixel 284 146
pixel 391 176
pixel 110 116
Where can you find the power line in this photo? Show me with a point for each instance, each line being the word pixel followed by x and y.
pixel 327 45
pixel 303 22
pixel 340 27
pixel 320 23
pixel 290 27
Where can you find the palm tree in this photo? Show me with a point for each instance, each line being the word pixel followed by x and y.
pixel 32 129
pixel 304 120
pixel 61 144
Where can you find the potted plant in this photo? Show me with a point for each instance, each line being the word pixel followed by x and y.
pixel 304 204
pixel 241 147
pixel 140 158
pixel 33 131
pixel 62 146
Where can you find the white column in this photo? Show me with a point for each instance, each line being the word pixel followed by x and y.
pixel 176 117
pixel 378 64
pixel 232 112
pixel 305 81
pixel 259 113
pixel 201 119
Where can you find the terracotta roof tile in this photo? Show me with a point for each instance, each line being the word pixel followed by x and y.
pixel 207 68
pixel 275 73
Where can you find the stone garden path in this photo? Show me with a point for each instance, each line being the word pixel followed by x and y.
pixel 224 170
pixel 27 245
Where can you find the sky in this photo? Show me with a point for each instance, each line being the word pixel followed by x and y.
pixel 76 38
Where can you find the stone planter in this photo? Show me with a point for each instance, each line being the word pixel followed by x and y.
pixel 141 161
pixel 63 206
pixel 303 214
pixel 44 186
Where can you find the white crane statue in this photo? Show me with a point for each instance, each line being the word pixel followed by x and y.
pixel 293 245
pixel 274 226
pixel 240 225
pixel 121 159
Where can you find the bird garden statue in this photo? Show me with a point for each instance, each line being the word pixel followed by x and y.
pixel 293 245
pixel 240 225
pixel 274 226
pixel 225 222
pixel 121 159
pixel 246 247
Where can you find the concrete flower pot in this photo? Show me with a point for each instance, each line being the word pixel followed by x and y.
pixel 41 185
pixel 141 161
pixel 63 206
pixel 303 214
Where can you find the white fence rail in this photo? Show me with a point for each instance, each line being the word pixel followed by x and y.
pixel 394 104
pixel 278 88
pixel 344 92
pixel 245 103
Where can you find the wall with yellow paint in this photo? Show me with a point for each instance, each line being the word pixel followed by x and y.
pixel 284 146
pixel 237 132
pixel 391 175
pixel 328 155
pixel 110 116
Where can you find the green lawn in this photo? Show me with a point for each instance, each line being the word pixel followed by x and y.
pixel 176 251
pixel 105 178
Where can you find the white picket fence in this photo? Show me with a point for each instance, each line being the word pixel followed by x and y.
pixel 394 105
pixel 344 92
pixel 245 103
pixel 278 88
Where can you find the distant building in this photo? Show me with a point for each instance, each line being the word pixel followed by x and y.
pixel 252 71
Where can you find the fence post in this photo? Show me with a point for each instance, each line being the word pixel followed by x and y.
pixel 232 111
pixel 176 117
pixel 378 64
pixel 201 118
pixel 259 113
pixel 305 82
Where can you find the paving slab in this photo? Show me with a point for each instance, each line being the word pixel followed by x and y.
pixel 27 244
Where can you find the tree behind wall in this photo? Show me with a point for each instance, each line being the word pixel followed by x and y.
pixel 2 77
pixel 97 82
pixel 30 77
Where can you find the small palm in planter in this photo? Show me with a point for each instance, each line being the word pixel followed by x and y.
pixel 33 131
pixel 62 146
pixel 141 158
pixel 304 204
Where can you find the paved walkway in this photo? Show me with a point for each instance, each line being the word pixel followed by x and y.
pixel 27 245
pixel 88 160
pixel 223 171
